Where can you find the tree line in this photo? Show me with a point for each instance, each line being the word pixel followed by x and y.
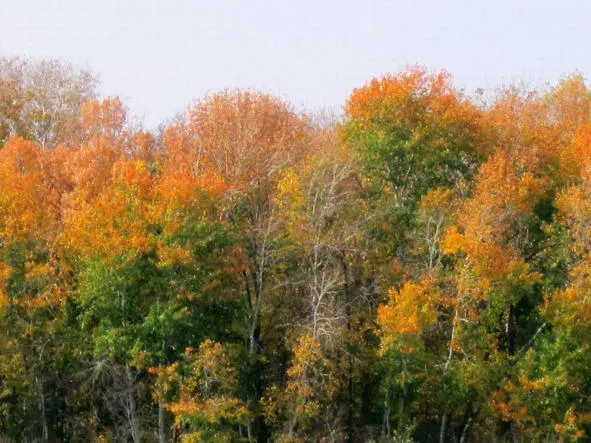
pixel 417 270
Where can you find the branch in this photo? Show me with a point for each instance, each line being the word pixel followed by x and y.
pixel 528 345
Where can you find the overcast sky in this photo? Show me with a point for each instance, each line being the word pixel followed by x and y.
pixel 159 55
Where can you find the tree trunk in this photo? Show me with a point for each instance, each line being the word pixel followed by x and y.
pixel 249 431
pixel 466 422
pixel 450 353
pixel 386 428
pixel 132 417
pixel 511 331
pixel 465 430
pixel 443 428
pixel 161 424
pixel 401 420
pixel 44 426
pixel 350 359
pixel 257 431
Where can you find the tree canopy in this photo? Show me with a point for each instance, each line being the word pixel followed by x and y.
pixel 418 270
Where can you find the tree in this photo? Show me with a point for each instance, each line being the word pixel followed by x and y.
pixel 413 132
pixel 41 101
pixel 204 388
pixel 246 138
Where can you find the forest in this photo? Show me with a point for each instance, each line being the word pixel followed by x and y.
pixel 415 269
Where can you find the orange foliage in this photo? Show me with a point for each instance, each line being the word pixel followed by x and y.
pixel 536 129
pixel 415 99
pixel 117 222
pixel 104 120
pixel 29 202
pixel 244 137
pixel 485 221
pixel 575 161
pixel 571 307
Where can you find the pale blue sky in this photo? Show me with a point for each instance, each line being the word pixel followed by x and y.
pixel 159 55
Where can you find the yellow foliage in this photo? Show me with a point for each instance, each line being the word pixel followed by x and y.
pixel 205 391
pixel 410 311
pixel 290 200
pixel 439 198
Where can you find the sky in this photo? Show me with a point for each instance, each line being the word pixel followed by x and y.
pixel 160 55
